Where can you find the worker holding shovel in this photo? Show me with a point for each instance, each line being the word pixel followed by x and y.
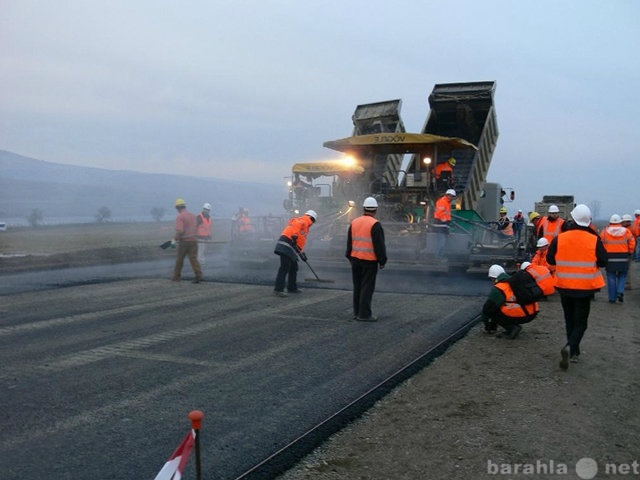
pixel 367 253
pixel 291 244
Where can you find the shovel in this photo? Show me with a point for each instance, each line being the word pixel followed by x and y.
pixel 317 279
pixel 166 244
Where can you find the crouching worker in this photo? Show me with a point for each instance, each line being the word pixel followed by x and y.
pixel 502 309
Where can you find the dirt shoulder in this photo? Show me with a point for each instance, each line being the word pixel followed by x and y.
pixel 495 408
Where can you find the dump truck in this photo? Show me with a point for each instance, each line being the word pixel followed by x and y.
pixel 383 160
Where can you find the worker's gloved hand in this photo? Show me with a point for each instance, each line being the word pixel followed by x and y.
pixel 303 256
pixel 173 244
pixel 294 238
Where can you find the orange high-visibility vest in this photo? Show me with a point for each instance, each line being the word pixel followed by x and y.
pixel 510 307
pixel 244 224
pixel 618 244
pixel 550 230
pixel 576 267
pixel 361 240
pixel 635 229
pixel 298 226
pixel 443 209
pixel 543 277
pixel 204 229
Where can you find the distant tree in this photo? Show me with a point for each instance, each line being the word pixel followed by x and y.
pixel 103 215
pixel 35 217
pixel 157 213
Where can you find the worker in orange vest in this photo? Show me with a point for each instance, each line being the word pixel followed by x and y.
pixel 540 258
pixel 504 224
pixel 203 222
pixel 444 174
pixel 442 219
pixel 290 245
pixel 550 225
pixel 636 231
pixel 367 254
pixel 501 307
pixel 578 254
pixel 620 244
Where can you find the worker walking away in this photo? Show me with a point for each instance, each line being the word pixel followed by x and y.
pixel 578 254
pixel 187 240
pixel 550 225
pixel 501 307
pixel 367 253
pixel 636 231
pixel 504 224
pixel 627 222
pixel 442 219
pixel 290 245
pixel 203 222
pixel 619 244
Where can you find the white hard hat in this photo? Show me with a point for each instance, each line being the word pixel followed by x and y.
pixel 452 192
pixel 312 214
pixel 581 214
pixel 542 242
pixel 495 270
pixel 553 209
pixel 627 218
pixel 524 265
pixel 370 203
pixel 207 206
pixel 615 218
pixel 637 212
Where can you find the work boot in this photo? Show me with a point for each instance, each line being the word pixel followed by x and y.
pixel 279 293
pixel 621 297
pixel 368 319
pixel 196 280
pixel 564 353
pixel 513 333
pixel 574 358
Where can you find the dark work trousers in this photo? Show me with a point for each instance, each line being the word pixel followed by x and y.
pixel 364 274
pixel 576 312
pixel 288 272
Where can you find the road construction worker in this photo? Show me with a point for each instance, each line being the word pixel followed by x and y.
pixel 203 222
pixel 578 254
pixel 636 231
pixel 367 253
pixel 518 224
pixel 542 275
pixel 501 307
pixel 540 257
pixel 442 219
pixel 504 224
pixel 186 236
pixel 241 224
pixel 290 245
pixel 532 233
pixel 550 225
pixel 627 222
pixel 620 244
pixel 444 174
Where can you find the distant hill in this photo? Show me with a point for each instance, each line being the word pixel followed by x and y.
pixel 61 191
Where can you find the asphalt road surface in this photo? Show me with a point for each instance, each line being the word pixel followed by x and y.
pixel 100 366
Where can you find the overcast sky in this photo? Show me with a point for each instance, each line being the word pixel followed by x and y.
pixel 244 89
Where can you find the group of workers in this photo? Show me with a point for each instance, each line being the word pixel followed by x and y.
pixel 365 250
pixel 571 253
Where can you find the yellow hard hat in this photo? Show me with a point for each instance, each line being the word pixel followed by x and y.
pixel 180 203
pixel 452 161
pixel 533 215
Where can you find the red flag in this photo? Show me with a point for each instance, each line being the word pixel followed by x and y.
pixel 174 467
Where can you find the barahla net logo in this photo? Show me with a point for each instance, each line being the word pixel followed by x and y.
pixel 586 468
